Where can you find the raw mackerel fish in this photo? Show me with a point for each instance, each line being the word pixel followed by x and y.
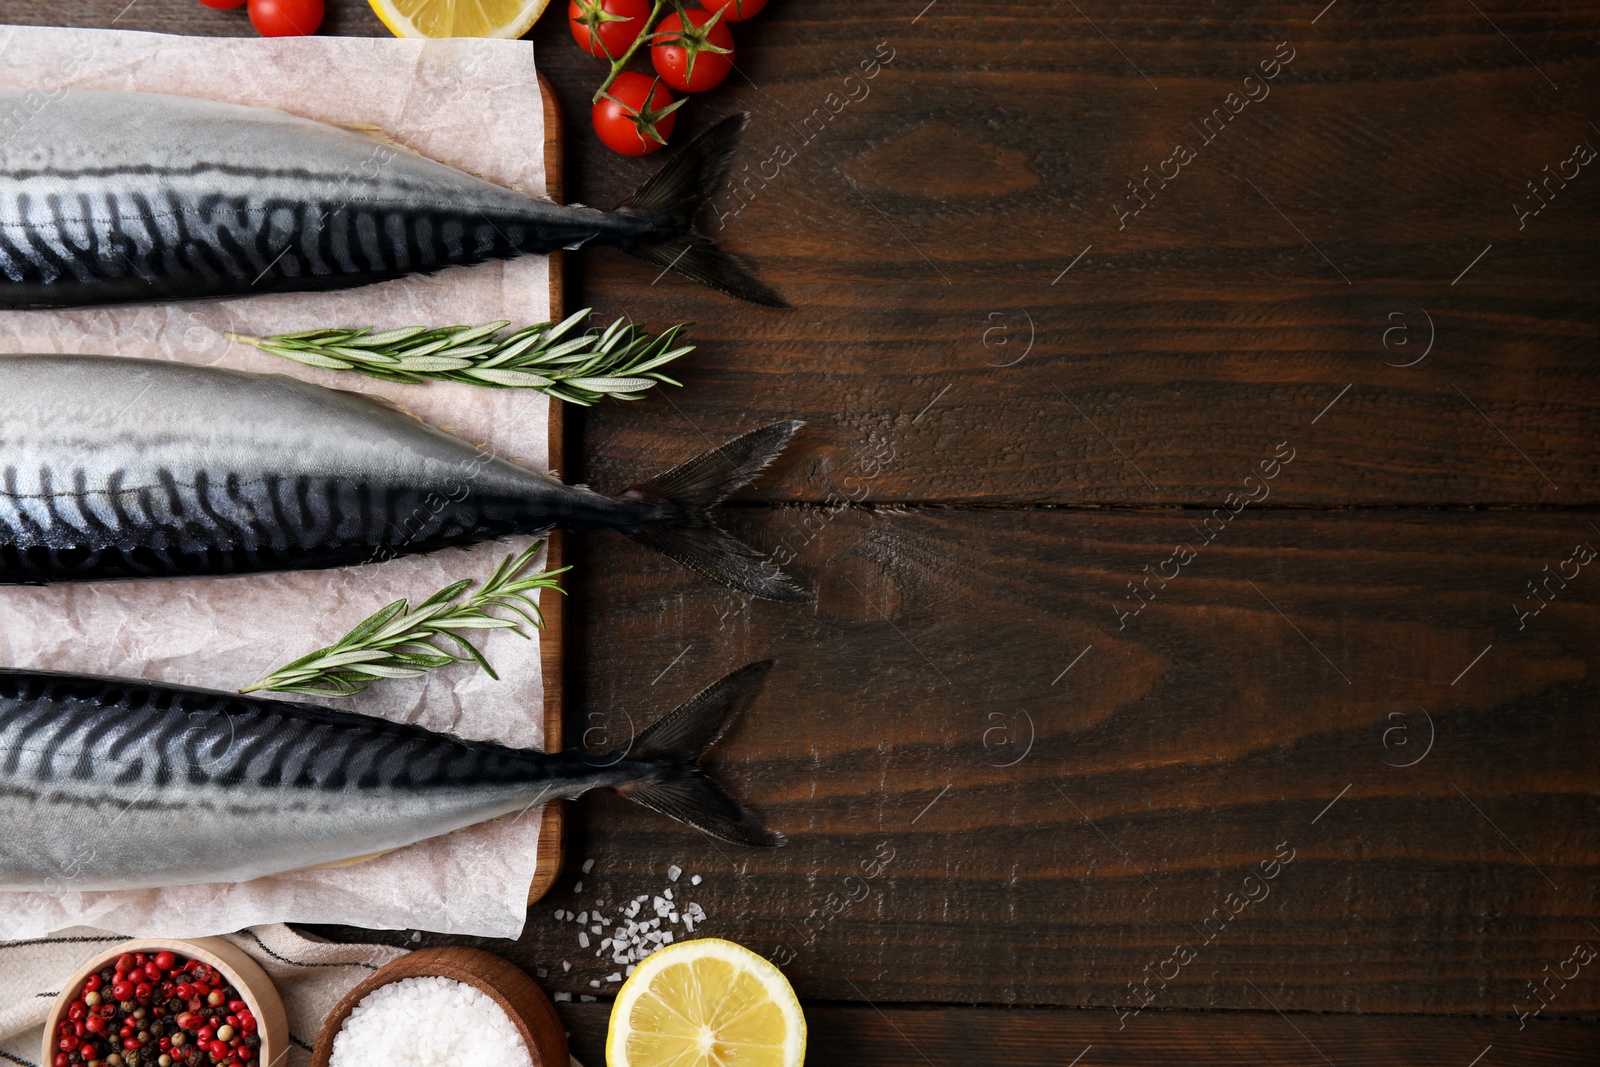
pixel 116 468
pixel 108 784
pixel 117 197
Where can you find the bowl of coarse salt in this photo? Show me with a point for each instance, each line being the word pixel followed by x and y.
pixel 443 1007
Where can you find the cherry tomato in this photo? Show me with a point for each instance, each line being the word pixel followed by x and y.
pixel 286 18
pixel 695 57
pixel 223 5
pixel 735 10
pixel 605 28
pixel 636 116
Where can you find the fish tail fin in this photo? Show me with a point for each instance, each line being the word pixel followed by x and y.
pixel 681 527
pixel 675 194
pixel 675 743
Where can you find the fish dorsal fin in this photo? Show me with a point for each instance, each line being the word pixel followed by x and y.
pixel 375 133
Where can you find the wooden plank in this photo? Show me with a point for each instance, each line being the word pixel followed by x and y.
pixel 1168 760
pixel 552 641
pixel 999 144
pixel 894 1035
pixel 995 145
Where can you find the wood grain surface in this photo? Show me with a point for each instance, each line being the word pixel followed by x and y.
pixel 1021 398
pixel 1110 786
pixel 552 641
pixel 858 1035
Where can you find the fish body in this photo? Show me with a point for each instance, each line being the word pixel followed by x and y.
pixel 117 197
pixel 109 784
pixel 115 468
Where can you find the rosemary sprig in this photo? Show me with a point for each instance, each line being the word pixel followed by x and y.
pixel 620 361
pixel 397 642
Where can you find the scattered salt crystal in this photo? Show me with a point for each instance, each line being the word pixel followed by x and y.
pixel 594 983
pixel 428 1021
pixel 631 968
pixel 540 972
pixel 565 966
pixel 586 998
pixel 616 977
pixel 632 938
pixel 562 998
pixel 577 887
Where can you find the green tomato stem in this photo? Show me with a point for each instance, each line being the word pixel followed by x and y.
pixel 620 64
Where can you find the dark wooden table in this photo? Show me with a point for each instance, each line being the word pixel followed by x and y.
pixel 1177 517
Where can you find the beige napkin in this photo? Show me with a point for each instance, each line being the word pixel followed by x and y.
pixel 474 104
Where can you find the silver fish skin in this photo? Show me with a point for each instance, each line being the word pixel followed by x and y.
pixel 108 784
pixel 118 197
pixel 115 468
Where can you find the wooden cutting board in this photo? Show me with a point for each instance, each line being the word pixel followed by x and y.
pixel 552 830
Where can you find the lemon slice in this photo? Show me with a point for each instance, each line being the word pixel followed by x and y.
pixel 458 18
pixel 706 1003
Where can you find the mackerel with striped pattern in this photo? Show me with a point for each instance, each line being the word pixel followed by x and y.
pixel 115 468
pixel 118 197
pixel 110 197
pixel 126 468
pixel 109 784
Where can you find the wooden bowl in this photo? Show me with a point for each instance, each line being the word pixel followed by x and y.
pixel 242 972
pixel 530 1010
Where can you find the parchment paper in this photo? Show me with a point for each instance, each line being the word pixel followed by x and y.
pixel 474 104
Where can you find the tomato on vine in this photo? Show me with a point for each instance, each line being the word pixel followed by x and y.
pixel 286 18
pixel 636 116
pixel 735 10
pixel 692 50
pixel 606 28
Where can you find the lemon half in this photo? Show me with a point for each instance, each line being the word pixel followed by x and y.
pixel 706 1003
pixel 458 18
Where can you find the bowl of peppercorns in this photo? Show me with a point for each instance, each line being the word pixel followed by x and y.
pixel 167 1003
